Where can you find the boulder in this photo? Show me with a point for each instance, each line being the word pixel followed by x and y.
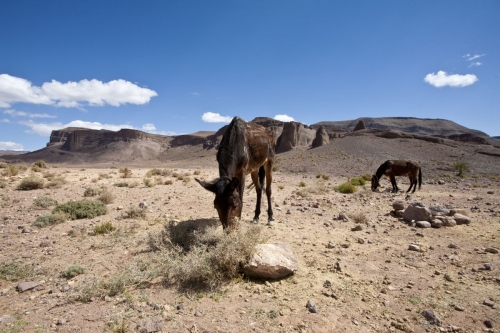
pixel 271 261
pixel 461 219
pixel 321 138
pixel 417 211
pixel 398 205
pixel 439 210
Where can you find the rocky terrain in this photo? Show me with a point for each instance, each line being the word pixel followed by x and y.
pixel 361 266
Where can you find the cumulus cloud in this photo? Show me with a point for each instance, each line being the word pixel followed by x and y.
pixel 14 113
pixel 442 79
pixel 211 117
pixel 148 127
pixel 283 117
pixel 72 94
pixel 9 145
pixel 471 57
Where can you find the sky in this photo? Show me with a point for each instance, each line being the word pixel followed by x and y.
pixel 178 67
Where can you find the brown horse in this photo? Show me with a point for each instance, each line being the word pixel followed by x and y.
pixel 393 168
pixel 245 148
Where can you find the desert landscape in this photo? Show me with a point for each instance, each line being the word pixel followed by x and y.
pixel 361 266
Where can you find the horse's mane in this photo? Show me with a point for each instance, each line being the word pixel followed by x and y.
pixel 381 169
pixel 231 148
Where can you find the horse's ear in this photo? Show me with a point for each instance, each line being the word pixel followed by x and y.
pixel 235 182
pixel 208 186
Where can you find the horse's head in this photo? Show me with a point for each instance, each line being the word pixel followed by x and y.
pixel 227 198
pixel 375 182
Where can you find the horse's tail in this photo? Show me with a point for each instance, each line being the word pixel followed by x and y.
pixel 262 176
pixel 419 178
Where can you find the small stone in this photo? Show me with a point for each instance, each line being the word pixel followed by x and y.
pixel 414 247
pixel 398 205
pixel 361 241
pixel 197 314
pixel 311 307
pixel 358 227
pixel 489 303
pixel 23 286
pixel 431 317
pixel 423 224
pixel 180 307
pixel 491 250
pixel 487 266
pixel 327 284
pixel 331 245
pixel 488 323
pixel 459 308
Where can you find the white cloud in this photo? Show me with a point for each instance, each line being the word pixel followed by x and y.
pixel 148 127
pixel 72 94
pixel 442 79
pixel 210 117
pixel 14 113
pixel 471 57
pixel 4 120
pixel 283 117
pixel 195 94
pixel 9 145
pixel 475 64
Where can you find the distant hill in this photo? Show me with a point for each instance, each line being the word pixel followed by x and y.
pixel 13 152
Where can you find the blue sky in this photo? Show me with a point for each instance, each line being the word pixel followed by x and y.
pixel 176 67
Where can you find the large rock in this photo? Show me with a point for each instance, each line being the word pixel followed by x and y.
pixel 271 261
pixel 294 135
pixel 321 138
pixel 461 219
pixel 417 211
pixel 359 126
pixel 439 210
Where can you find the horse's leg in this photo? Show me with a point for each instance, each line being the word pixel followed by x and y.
pixel 414 182
pixel 269 180
pixel 241 189
pixel 411 183
pixel 394 184
pixel 258 189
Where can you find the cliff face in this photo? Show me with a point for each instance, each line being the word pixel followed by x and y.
pixel 75 139
pixel 294 134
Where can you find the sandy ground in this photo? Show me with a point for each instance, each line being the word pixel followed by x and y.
pixel 378 284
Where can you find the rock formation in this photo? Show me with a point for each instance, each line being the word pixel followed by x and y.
pixel 294 134
pixel 322 138
pixel 359 126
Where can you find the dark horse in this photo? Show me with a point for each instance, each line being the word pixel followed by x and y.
pixel 245 148
pixel 393 168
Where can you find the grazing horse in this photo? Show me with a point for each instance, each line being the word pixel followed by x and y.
pixel 393 168
pixel 245 148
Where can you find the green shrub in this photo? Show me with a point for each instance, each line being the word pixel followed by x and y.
pixel 121 184
pixel 43 203
pixel 81 209
pixel 41 164
pixel 91 192
pixel 302 184
pixel 134 212
pixel 367 177
pixel 460 167
pixel 358 181
pixel 126 172
pixel 104 228
pixel 14 271
pixel 346 188
pixel 72 271
pixel 148 182
pixel 30 183
pixel 50 219
pixel 325 177
pixel 56 182
pixel 106 197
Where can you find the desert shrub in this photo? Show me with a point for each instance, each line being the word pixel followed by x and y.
pixel 91 192
pixel 318 175
pixel 133 184
pixel 121 184
pixel 50 219
pixel 49 175
pixel 360 218
pixel 43 203
pixel 106 197
pixel 461 167
pixel 41 164
pixel 104 176
pixel 346 188
pixel 126 172
pixel 11 170
pixel 72 271
pixel 281 187
pixel 168 182
pixel 203 259
pixel 358 181
pixel 186 180
pixel 30 183
pixel 34 168
pixel 104 228
pixel 325 177
pixel 14 271
pixel 302 184
pixel 187 174
pixel 197 172
pixel 81 209
pixel 302 193
pixel 3 184
pixel 148 182
pixel 56 182
pixel 158 172
pixel 367 177
pixel 134 212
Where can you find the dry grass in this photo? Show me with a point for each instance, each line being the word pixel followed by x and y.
pixel 30 183
pixel 106 196
pixel 43 203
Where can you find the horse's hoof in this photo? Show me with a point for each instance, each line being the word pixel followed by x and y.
pixel 270 223
pixel 255 221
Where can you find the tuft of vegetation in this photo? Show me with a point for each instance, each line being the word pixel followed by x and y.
pixel 367 177
pixel 11 170
pixel 72 271
pixel 3 184
pixel 168 182
pixel 43 203
pixel 106 196
pixel 81 209
pixel 50 219
pixel 358 181
pixel 360 218
pixel 134 213
pixel 302 184
pixel 202 257
pixel 158 172
pixel 91 192
pixel 461 168
pixel 56 182
pixel 14 271
pixel 133 184
pixel 148 182
pixel 40 164
pixel 104 228
pixel 104 176
pixel 30 183
pixel 121 184
pixel 346 188
pixel 126 172
pixel 197 172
